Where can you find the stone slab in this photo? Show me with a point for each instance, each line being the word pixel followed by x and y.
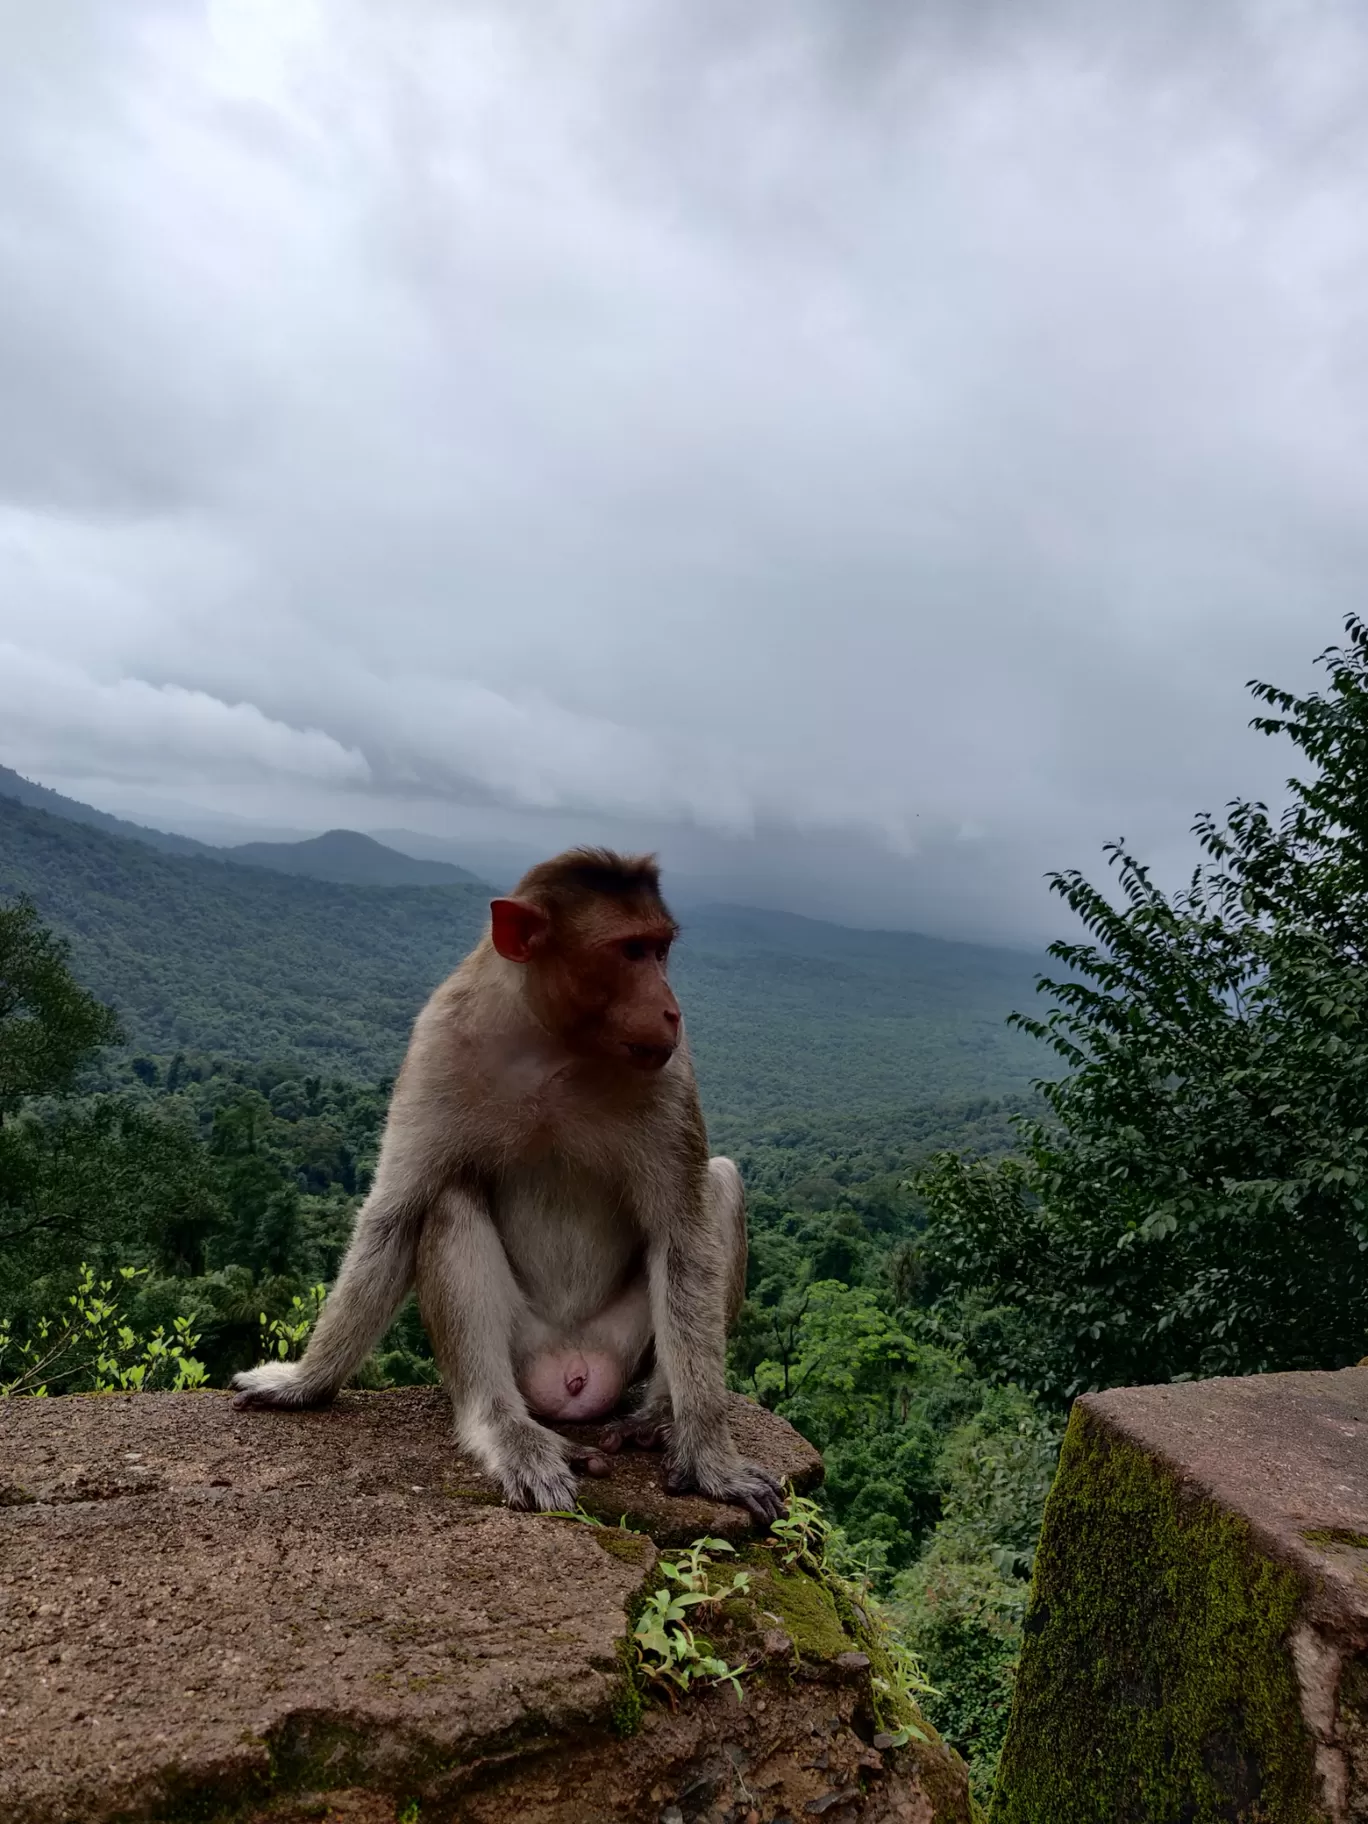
pixel 1288 1453
pixel 365 1443
pixel 202 1608
pixel 1197 1643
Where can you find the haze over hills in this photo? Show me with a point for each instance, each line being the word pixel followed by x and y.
pixel 41 798
pixel 339 855
pixel 348 857
pixel 785 1014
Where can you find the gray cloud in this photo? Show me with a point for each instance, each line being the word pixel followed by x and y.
pixel 862 450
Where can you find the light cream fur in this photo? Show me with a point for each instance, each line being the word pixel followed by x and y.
pixel 542 1201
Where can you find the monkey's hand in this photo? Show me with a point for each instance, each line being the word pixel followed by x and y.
pixel 277 1384
pixel 717 1471
pixel 532 1465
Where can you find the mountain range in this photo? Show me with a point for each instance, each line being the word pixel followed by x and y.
pixel 345 856
pixel 208 950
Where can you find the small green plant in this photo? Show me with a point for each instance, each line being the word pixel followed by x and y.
pixel 89 1343
pixel 580 1513
pixel 906 1683
pixel 691 1571
pixel 804 1539
pixel 801 1534
pixel 409 1814
pixel 283 1337
pixel 668 1652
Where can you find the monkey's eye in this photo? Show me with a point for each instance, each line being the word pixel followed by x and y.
pixel 635 950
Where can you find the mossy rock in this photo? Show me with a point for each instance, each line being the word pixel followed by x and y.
pixel 1192 1646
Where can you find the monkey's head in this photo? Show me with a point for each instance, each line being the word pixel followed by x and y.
pixel 593 935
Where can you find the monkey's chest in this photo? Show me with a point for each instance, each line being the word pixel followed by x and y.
pixel 570 1235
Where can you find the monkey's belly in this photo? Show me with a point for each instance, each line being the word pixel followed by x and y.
pixel 572 1384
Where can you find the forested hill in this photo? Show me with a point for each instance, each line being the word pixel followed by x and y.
pixel 348 857
pixel 43 798
pixel 785 1015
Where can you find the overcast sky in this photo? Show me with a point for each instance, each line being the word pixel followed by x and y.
pixel 863 449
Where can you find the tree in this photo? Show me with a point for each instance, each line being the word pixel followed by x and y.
pixel 81 1178
pixel 1196 1200
pixel 49 1025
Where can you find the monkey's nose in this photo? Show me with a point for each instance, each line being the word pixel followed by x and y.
pixel 672 1017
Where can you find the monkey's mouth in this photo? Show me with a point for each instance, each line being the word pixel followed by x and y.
pixel 649 1057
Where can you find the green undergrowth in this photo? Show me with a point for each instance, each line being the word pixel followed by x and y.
pixel 809 1554
pixel 700 1622
pixel 1155 1686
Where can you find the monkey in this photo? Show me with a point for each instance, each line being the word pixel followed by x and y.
pixel 544 1184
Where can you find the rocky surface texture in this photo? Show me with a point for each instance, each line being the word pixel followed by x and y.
pixel 207 1614
pixel 1197 1642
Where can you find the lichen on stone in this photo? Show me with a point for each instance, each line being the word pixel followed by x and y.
pixel 1155 1684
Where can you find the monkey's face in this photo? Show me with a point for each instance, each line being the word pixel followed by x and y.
pixel 613 994
pixel 597 977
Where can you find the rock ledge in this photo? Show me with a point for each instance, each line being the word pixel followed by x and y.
pixel 207 1614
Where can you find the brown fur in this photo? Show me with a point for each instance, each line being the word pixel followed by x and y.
pixel 544 1180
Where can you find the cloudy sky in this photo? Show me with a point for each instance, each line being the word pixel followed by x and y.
pixel 861 449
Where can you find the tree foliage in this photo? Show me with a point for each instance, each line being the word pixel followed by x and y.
pixel 49 1025
pixel 1195 1200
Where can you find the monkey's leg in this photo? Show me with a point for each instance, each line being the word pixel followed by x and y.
pixel 472 1307
pixel 647 1425
pixel 727 1208
pixel 693 1271
pixel 373 1282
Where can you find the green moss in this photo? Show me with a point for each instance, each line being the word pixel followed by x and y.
pixel 807 1612
pixel 628 1701
pixel 632 1548
pixel 1155 1684
pixel 1336 1535
pixel 477 1497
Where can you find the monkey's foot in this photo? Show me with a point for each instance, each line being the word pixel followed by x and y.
pixel 636 1433
pixel 277 1384
pixel 646 1423
pixel 750 1485
pixel 589 1461
pixel 534 1467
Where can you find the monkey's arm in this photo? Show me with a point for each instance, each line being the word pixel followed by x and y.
pixel 375 1277
pixel 472 1306
pixel 687 1266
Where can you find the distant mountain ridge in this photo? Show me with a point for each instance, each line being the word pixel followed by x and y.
pixel 785 1014
pixel 349 859
pixel 42 798
pixel 343 856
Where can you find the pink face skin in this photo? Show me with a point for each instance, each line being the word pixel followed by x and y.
pixel 572 1384
pixel 603 988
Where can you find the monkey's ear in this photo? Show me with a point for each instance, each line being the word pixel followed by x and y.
pixel 518 928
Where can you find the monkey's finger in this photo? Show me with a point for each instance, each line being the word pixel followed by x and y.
pixel 767 1504
pixel 638 1437
pixel 651 1437
pixel 589 1461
